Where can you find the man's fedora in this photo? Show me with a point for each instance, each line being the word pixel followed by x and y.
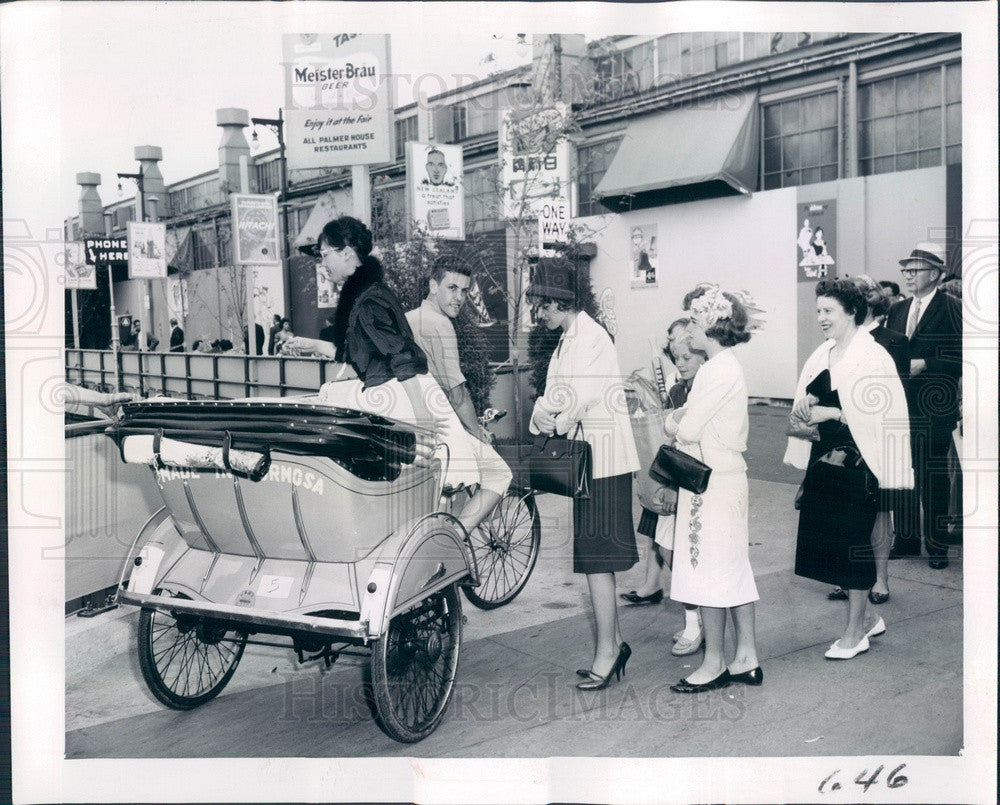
pixel 932 254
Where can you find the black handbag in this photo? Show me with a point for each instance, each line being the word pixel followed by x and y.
pixel 561 466
pixel 840 474
pixel 673 467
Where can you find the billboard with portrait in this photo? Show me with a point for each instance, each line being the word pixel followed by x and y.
pixel 434 183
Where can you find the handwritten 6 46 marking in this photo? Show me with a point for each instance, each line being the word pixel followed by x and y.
pixel 893 780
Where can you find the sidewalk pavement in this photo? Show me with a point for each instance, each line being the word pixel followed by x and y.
pixel 515 694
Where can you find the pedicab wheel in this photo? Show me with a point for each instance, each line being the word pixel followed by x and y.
pixel 413 666
pixel 186 660
pixel 506 546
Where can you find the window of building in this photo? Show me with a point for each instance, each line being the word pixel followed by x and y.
pixel 459 122
pixel 910 121
pixel 684 54
pixel 625 72
pixel 268 176
pixel 122 215
pixel 482 114
pixel 698 52
pixel 800 141
pixel 592 163
pixel 406 131
pixel 482 201
pixel 203 246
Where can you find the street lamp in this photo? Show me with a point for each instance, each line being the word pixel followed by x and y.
pixel 277 125
pixel 137 178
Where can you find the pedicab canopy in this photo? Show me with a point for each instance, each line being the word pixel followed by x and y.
pixel 704 150
pixel 238 436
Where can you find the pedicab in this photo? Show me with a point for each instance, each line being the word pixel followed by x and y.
pixel 323 526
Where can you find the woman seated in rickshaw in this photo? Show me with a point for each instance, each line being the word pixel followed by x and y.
pixel 381 369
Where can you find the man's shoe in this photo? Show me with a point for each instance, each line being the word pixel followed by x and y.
pixel 938 562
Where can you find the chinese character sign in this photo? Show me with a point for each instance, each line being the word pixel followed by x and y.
pixel 255 225
pixel 434 181
pixel 337 105
pixel 816 241
pixel 147 250
pixel 535 158
pixel 78 273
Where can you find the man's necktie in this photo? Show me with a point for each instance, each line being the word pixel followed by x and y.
pixel 911 322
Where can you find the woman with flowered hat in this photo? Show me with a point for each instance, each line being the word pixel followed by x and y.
pixel 711 566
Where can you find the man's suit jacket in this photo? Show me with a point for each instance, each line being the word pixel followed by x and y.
pixel 934 393
pixel 177 340
pixel 898 347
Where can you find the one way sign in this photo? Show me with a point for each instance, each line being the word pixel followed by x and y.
pixel 553 223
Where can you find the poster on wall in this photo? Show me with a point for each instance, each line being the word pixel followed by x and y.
pixel 79 275
pixel 255 220
pixel 817 240
pixel 643 260
pixel 268 295
pixel 326 291
pixel 337 107
pixel 434 182
pixel 177 298
pixel 147 250
pixel 534 158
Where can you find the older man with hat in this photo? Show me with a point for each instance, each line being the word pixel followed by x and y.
pixel 931 321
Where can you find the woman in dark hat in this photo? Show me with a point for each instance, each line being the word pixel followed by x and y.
pixel 584 387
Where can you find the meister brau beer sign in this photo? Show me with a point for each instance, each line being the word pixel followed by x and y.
pixel 336 100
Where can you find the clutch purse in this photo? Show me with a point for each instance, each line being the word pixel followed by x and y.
pixel 561 466
pixel 673 467
pixel 802 430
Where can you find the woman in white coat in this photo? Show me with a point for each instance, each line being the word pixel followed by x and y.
pixel 851 392
pixel 584 387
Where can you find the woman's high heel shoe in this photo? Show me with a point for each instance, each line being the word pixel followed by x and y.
pixel 597 682
pixel 624 648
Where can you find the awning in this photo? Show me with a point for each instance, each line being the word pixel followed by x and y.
pixel 707 150
pixel 178 250
pixel 323 211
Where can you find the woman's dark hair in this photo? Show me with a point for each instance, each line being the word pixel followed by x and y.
pixel 847 295
pixel 338 233
pixel 729 331
pixel 561 304
pixel 874 295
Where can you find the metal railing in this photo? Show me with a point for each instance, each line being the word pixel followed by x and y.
pixel 195 375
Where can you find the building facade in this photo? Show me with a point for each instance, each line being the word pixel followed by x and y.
pixel 761 161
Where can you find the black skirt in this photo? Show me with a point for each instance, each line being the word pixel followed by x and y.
pixel 834 536
pixel 603 530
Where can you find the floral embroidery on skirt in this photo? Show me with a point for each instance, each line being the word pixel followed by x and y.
pixel 694 526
